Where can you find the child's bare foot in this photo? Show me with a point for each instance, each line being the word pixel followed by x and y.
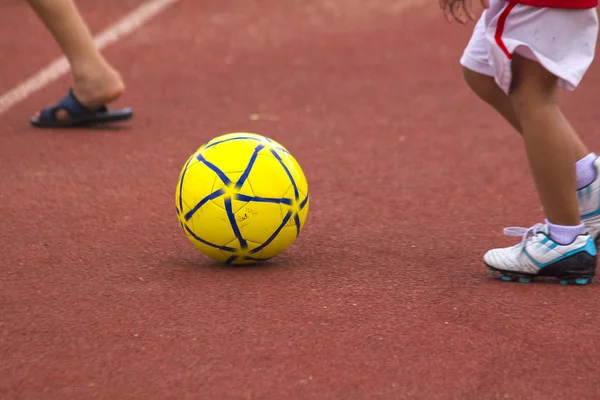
pixel 94 87
pixel 97 88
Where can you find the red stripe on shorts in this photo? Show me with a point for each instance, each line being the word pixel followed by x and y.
pixel 500 29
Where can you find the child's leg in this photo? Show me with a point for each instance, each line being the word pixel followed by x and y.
pixel 548 141
pixel 516 46
pixel 561 248
pixel 480 76
pixel 95 81
pixel 486 89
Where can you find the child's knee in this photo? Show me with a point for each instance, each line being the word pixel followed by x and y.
pixel 482 85
pixel 531 85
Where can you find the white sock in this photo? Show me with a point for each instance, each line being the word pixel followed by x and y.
pixel 564 235
pixel 586 173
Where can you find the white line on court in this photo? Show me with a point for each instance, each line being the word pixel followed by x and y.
pixel 60 66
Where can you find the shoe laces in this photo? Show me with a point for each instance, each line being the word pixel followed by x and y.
pixel 525 233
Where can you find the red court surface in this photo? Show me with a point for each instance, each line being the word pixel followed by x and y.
pixel 383 296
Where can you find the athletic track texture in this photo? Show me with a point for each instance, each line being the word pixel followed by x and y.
pixel 383 296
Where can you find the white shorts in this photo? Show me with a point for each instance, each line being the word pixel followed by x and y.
pixel 562 40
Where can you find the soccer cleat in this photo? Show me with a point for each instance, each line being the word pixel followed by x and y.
pixel 538 255
pixel 589 205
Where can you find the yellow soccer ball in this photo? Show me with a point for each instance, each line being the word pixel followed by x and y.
pixel 242 198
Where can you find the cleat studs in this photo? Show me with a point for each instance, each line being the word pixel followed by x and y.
pixel 506 278
pixel 576 281
pixel 525 280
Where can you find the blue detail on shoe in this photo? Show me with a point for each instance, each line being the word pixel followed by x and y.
pixel 592 214
pixel 506 278
pixel 525 280
pixel 577 281
pixel 586 192
pixel 589 247
pixel 548 248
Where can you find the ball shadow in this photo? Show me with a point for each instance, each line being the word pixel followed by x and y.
pixel 201 263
